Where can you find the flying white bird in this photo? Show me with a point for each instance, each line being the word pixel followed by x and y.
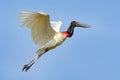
pixel 45 32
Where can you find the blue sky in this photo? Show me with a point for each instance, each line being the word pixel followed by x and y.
pixel 91 54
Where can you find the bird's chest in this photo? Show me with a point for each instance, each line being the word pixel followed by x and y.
pixel 58 39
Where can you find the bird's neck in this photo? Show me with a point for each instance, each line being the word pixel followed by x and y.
pixel 70 30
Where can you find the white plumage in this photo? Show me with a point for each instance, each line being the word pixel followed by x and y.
pixel 56 25
pixel 44 33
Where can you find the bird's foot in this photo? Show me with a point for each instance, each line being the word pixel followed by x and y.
pixel 26 67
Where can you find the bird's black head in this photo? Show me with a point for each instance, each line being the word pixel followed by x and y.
pixel 76 24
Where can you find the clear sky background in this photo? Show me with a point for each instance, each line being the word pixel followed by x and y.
pixel 91 54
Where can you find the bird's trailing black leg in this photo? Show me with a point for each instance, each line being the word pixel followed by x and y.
pixel 27 66
pixel 39 53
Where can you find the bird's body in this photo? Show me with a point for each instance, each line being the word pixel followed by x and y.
pixel 45 32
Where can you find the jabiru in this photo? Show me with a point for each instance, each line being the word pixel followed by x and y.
pixel 46 33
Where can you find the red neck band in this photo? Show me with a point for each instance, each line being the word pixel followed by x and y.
pixel 66 34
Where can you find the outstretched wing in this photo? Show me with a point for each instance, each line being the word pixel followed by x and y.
pixel 39 23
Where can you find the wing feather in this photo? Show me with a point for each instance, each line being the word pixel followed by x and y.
pixel 39 23
pixel 56 25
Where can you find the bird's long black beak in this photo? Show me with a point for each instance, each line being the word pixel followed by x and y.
pixel 82 25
